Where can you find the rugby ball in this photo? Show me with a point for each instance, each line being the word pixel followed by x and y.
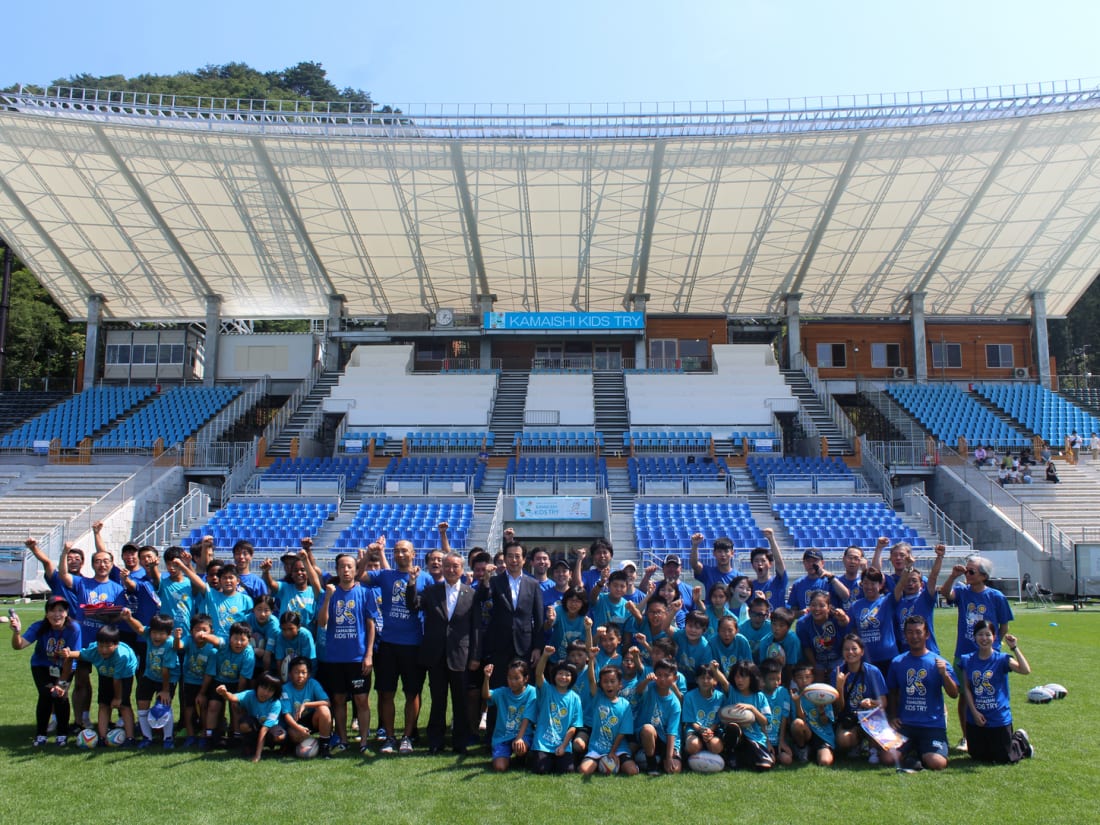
pixel 1058 691
pixel 307 748
pixel 87 738
pixel 706 762
pixel 116 737
pixel 159 716
pixel 821 694
pixel 1040 695
pixel 734 715
pixel 608 765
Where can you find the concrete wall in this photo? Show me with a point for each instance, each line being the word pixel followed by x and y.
pixel 278 355
pixel 569 394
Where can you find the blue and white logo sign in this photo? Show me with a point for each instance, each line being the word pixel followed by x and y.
pixel 579 321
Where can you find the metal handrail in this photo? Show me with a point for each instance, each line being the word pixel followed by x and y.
pixel 213 429
pixel 194 505
pixel 917 503
pixel 240 472
pixel 275 427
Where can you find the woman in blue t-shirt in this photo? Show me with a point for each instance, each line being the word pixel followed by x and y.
pixel 49 666
pixel 984 680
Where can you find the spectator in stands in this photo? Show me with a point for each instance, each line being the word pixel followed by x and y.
pixel 253 585
pixel 771 587
pixel 1052 473
pixel 1044 454
pixel 1074 444
pixel 1002 475
pixel 980 456
pixel 1094 447
pixel 721 572
pixel 1025 475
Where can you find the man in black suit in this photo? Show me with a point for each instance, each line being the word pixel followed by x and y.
pixel 451 646
pixel 515 618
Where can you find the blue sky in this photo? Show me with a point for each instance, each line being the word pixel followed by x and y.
pixel 510 51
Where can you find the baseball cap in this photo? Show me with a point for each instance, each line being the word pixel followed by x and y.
pixel 812 554
pixel 625 563
pixel 559 563
pixel 671 559
pixel 52 600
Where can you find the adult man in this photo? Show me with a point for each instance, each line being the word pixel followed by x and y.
pixel 917 681
pixel 816 578
pixel 721 572
pixel 513 630
pixel 452 639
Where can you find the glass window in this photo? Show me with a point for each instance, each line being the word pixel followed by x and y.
pixel 998 355
pixel 885 355
pixel 951 360
pixel 831 355
pixel 118 354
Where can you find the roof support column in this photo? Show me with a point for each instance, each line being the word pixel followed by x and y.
pixel 91 339
pixel 210 346
pixel 1039 336
pixel 337 306
pixel 485 354
pixel 794 330
pixel 920 336
pixel 638 302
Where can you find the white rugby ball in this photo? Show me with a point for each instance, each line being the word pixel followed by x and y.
pixel 1040 695
pixel 706 762
pixel 608 765
pixel 734 715
pixel 821 694
pixel 1058 691
pixel 307 748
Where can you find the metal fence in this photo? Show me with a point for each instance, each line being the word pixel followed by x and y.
pixel 189 509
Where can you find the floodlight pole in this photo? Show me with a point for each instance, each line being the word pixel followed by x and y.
pixel 5 308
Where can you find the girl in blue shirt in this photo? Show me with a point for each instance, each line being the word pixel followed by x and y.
pixel 984 681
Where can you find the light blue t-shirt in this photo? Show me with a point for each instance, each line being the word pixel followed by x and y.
pixel 728 655
pixel 121 664
pixel 759 701
pixel 554 714
pixel 267 712
pixel 780 704
pixel 161 658
pixel 662 712
pixel 303 602
pixel 699 710
pixel 196 659
pixel 225 610
pixel 610 717
pixel 511 710
pixel 229 667
pixel 293 698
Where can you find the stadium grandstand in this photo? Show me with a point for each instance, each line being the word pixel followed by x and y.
pixel 571 322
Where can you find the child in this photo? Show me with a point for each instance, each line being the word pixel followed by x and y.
pixel 740 594
pixel 50 667
pixel 293 641
pixel 747 745
pixel 264 631
pixel 758 627
pixel 873 618
pixel 567 625
pixel 258 711
pixel 658 720
pixel 556 715
pixel 984 673
pixel 916 597
pixel 780 643
pixel 579 655
pixel 161 674
pixel 654 624
pixel 634 673
pixel 200 648
pixel 232 666
pixel 305 706
pixel 224 603
pixel 812 727
pixel 176 591
pixel 779 700
pixel 513 733
pixel 819 633
pixel 699 716
pixel 612 723
pixel 692 647
pixel 609 639
pixel 772 588
pixel 716 608
pixel 729 647
pixel 613 607
pixel 116 664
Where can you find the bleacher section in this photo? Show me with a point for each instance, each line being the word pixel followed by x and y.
pixel 356 441
pixel 1045 413
pixel 353 469
pixel 760 467
pixel 173 415
pixel 417 523
pixel 664 468
pixel 949 414
pixel 77 418
pixel 436 469
pixel 17 406
pixel 273 527
pixel 833 526
pixel 667 527
pixel 678 441
pixel 759 440
pixel 558 441
pixel 541 468
pixel 449 442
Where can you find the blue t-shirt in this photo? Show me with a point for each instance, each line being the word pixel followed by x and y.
pixel 869 683
pixel 91 592
pixel 161 658
pixel 711 576
pixel 781 708
pixel 799 597
pixel 922 604
pixel 50 644
pixel 267 712
pixel 228 667
pixel 253 585
pixel 293 698
pixel 714 616
pixel 754 636
pixel 300 645
pixel 511 710
pixel 554 714
pixel 823 639
pixel 225 610
pixel 303 602
pixel 121 664
pixel 919 689
pixel 263 635
pixel 690 655
pixel 399 626
pixel 820 719
pixel 990 605
pixel 606 612
pixel 790 645
pixel 699 710
pixel 662 712
pixel 177 600
pixel 349 612
pixel 774 589
pixel 143 600
pixel 728 655
pixel 632 689
pixel 609 718
pixel 195 660
pixel 875 623
pixel 759 701
pixel 564 631
pixel 987 681
pixel 855 591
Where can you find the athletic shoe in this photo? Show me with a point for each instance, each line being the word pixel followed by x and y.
pixel 169 744
pixel 381 735
pixel 389 746
pixel 873 758
pixel 39 741
pixel 326 751
pixel 144 743
pixel 801 753
pixel 961 747
pixel 190 741
pixel 1025 740
pixel 911 764
pixel 338 747
pixel 62 741
pixel 51 726
pixel 364 749
pixel 207 743
pixel 406 746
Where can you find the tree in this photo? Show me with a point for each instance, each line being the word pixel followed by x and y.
pixel 41 342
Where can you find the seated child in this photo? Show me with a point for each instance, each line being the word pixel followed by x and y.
pixel 611 721
pixel 556 715
pixel 513 733
pixel 305 706
pixel 779 699
pixel 702 728
pixel 747 745
pixel 258 714
pixel 658 720
pixel 812 728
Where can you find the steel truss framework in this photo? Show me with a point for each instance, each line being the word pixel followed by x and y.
pixel 978 204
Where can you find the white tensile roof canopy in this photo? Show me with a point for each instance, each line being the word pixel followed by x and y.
pixel 156 203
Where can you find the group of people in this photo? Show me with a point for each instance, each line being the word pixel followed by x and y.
pixel 562 664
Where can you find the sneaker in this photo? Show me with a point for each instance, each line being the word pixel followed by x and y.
pixel 406 746
pixel 207 743
pixel 961 747
pixel 51 726
pixel 1025 740
pixel 801 753
pixel 337 747
pixel 144 743
pixel 62 741
pixel 873 758
pixel 190 741
pixel 364 749
pixel 911 764
pixel 389 746
pixel 169 744
pixel 326 751
pixel 39 741
pixel 483 725
pixel 381 735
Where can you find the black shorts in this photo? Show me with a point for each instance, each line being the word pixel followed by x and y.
pixel 147 689
pixel 345 679
pixel 211 691
pixel 189 695
pixel 306 719
pixel 393 661
pixel 107 691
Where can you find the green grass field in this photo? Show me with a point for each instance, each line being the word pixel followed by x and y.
pixel 1059 785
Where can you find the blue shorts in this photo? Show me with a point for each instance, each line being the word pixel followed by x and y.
pixel 925 740
pixel 503 750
